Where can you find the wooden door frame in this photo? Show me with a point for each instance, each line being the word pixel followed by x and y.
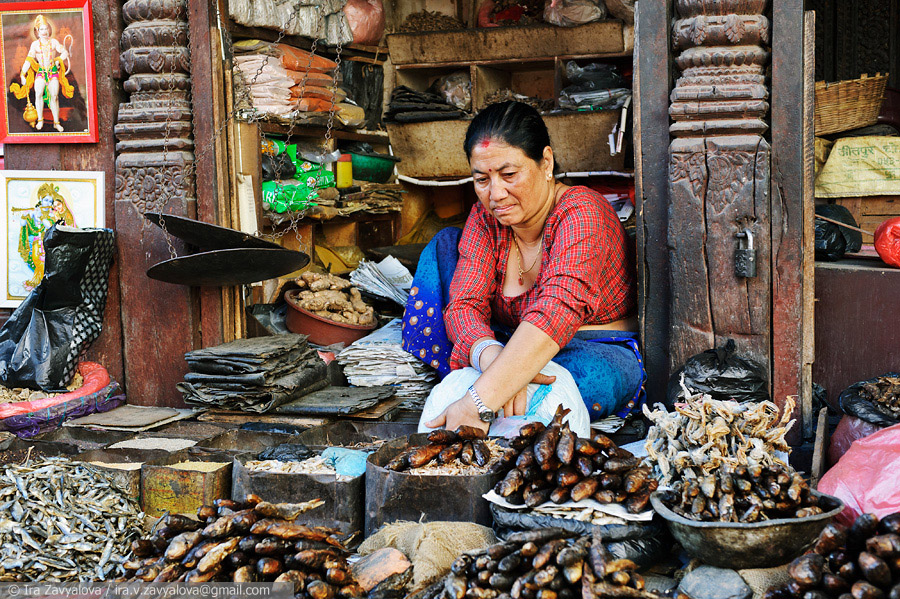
pixel 791 193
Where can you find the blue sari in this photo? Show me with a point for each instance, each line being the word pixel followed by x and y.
pixel 606 365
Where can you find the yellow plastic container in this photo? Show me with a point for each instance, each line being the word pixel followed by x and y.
pixel 344 172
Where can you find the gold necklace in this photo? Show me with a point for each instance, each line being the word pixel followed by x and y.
pixel 519 264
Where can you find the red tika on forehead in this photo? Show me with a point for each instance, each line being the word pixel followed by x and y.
pixel 486 142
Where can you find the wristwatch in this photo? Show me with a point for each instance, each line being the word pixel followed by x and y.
pixel 485 414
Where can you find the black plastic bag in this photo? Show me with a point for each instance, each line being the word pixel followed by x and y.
pixel 854 405
pixel 722 374
pixel 364 84
pixel 286 452
pixel 641 542
pixel 42 341
pixel 273 427
pixel 833 241
pixel 276 168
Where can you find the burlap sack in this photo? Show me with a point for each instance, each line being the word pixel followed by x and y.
pixel 431 547
pixel 762 579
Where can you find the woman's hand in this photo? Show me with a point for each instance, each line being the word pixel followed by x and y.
pixel 460 412
pixel 518 405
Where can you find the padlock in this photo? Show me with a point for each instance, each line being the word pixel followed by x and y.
pixel 745 257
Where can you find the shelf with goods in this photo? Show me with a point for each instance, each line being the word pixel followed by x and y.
pixel 248 131
pixel 358 228
pixel 528 60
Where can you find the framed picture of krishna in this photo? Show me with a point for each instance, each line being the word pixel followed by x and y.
pixel 47 63
pixel 33 201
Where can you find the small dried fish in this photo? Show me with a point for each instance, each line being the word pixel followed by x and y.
pixel 66 522
pixel 703 434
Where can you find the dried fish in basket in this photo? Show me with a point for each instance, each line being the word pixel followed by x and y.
pixel 884 393
pixel 63 521
pixel 703 434
pixel 553 464
pixel 464 452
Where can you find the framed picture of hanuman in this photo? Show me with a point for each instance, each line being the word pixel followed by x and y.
pixel 47 63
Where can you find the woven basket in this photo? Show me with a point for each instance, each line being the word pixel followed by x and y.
pixel 847 105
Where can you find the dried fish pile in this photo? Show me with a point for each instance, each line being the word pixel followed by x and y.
pixel 743 494
pixel 552 464
pixel 702 434
pixel 458 467
pixel 544 564
pixel 63 521
pixel 251 541
pixel 467 446
pixel 165 443
pixel 313 465
pixel 15 395
pixel 505 95
pixel 884 392
pixel 428 20
pixel 862 562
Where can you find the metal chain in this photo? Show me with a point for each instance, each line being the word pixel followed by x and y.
pixel 337 69
pixel 294 217
pixel 163 201
pixel 251 114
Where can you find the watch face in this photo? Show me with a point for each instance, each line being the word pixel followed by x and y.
pixel 487 416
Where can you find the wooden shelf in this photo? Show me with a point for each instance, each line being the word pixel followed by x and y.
pixel 530 42
pixel 238 31
pixel 372 137
pixel 512 64
pixel 356 217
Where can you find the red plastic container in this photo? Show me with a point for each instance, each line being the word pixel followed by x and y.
pixel 321 331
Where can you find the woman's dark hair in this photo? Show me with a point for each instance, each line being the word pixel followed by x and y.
pixel 514 123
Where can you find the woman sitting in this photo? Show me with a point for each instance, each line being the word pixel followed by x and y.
pixel 543 266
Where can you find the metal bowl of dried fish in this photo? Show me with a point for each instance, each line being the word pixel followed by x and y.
pixel 736 545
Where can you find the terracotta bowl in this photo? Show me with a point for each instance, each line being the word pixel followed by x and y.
pixel 321 331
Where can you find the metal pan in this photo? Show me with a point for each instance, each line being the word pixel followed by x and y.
pixel 236 266
pixel 206 235
pixel 748 545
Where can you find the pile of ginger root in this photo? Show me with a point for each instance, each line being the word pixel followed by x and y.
pixel 332 297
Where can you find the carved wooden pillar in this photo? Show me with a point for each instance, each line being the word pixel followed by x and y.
pixel 154 172
pixel 719 178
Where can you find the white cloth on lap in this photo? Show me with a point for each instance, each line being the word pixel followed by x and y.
pixel 542 401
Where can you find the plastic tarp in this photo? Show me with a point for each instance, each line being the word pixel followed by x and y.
pixel 865 478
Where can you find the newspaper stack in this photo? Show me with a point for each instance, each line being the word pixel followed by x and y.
pixel 388 279
pixel 378 359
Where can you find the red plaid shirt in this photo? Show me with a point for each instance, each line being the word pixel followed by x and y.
pixel 587 275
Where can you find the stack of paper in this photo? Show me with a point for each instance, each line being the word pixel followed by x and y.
pixel 388 279
pixel 380 360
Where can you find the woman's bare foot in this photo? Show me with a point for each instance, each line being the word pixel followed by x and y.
pixel 58 127
pixel 40 125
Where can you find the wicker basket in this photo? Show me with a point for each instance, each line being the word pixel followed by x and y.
pixel 847 105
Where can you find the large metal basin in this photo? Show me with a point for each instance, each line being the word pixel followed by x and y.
pixel 752 545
